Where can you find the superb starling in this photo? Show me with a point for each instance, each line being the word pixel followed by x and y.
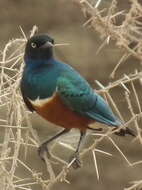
pixel 61 95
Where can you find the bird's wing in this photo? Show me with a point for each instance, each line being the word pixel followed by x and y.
pixel 101 112
pixel 27 102
pixel 77 94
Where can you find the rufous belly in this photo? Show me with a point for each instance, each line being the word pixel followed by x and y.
pixel 58 113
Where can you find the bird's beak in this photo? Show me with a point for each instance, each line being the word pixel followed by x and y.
pixel 47 44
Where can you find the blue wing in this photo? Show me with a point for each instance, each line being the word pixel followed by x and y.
pixel 101 112
pixel 77 94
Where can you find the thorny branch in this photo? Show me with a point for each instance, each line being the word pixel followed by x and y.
pixel 126 34
pixel 17 122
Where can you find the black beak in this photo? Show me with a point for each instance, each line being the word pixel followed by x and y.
pixel 47 44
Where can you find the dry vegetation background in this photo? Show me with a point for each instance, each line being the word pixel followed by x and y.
pixel 106 47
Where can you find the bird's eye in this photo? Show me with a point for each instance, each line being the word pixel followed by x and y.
pixel 33 45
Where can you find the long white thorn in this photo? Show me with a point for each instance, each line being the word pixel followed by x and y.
pixel 96 165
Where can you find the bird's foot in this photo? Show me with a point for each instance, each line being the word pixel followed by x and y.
pixel 43 150
pixel 76 163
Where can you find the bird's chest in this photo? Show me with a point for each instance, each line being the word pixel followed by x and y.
pixel 52 108
pixel 38 86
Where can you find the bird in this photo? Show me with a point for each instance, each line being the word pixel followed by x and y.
pixel 59 94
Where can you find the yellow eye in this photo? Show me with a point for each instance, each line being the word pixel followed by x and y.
pixel 33 45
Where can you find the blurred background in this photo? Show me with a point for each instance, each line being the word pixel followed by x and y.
pixel 63 20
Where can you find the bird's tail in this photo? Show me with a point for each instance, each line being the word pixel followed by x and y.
pixel 123 132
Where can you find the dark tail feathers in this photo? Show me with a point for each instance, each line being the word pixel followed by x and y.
pixel 123 132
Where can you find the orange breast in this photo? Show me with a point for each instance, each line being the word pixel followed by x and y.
pixel 56 112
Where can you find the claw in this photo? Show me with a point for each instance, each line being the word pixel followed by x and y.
pixel 43 149
pixel 76 161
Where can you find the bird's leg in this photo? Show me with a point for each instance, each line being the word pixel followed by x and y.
pixel 43 147
pixel 75 157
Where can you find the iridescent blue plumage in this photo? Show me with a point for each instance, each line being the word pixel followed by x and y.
pixel 68 98
pixel 78 95
pixel 41 80
pixel 73 89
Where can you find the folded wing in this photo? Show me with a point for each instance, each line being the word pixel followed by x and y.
pixel 77 94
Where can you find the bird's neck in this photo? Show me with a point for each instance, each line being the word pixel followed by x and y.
pixel 39 54
pixel 32 63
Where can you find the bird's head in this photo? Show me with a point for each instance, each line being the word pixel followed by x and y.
pixel 39 47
